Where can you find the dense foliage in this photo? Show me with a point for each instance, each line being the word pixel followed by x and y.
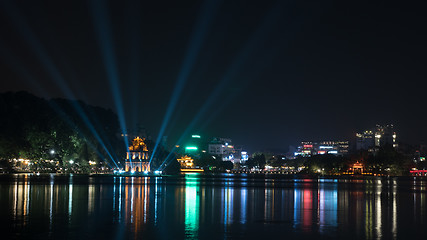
pixel 61 130
pixel 212 163
pixel 60 134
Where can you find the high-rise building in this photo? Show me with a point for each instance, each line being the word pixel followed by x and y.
pixel 365 140
pixel 385 135
pixel 380 136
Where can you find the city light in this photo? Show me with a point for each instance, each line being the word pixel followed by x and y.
pixel 275 89
pixel 191 148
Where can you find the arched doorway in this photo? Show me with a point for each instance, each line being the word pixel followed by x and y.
pixel 137 169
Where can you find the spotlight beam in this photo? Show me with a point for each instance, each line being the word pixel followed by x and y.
pixel 241 58
pixel 133 33
pixel 268 57
pixel 49 66
pixel 14 63
pixel 203 23
pixel 104 35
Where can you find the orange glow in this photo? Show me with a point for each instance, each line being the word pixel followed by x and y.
pixel 192 170
pixel 186 162
pixel 138 144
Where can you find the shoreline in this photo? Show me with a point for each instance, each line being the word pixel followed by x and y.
pixel 220 175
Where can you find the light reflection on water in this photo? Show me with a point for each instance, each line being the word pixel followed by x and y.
pixel 193 207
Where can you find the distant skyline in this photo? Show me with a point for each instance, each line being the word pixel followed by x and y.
pixel 265 74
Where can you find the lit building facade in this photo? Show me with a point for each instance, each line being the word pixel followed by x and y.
pixel 222 147
pixel 380 136
pixel 186 162
pixel 307 149
pixel 365 140
pixel 137 158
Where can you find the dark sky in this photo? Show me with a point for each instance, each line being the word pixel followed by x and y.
pixel 266 74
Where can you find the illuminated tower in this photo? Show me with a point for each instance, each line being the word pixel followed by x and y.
pixel 137 159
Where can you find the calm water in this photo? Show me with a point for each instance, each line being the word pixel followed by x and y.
pixel 201 207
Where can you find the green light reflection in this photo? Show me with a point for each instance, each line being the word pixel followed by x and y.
pixel 192 208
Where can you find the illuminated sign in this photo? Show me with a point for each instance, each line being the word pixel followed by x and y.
pixel 333 152
pixel 321 152
pixel 191 148
pixel 244 156
pixel 308 146
pixel 195 136
pixel 326 147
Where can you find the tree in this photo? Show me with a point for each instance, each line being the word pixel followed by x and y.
pixel 256 161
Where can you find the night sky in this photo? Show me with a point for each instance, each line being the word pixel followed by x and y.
pixel 266 74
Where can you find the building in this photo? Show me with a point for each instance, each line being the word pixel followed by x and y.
pixel 379 136
pixel 222 147
pixel 137 158
pixel 186 162
pixel 357 168
pixel 307 149
pixel 332 147
pixel 244 156
pixel 385 135
pixel 365 140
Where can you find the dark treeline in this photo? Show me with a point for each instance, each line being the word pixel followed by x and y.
pixel 38 129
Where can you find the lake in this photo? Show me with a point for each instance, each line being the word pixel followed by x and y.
pixel 226 206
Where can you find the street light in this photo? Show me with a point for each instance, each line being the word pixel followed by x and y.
pixel 71 161
pixel 52 151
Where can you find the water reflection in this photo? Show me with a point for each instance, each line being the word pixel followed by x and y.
pixel 327 205
pixel 136 203
pixel 192 207
pixel 21 201
pixel 243 203
pixel 70 197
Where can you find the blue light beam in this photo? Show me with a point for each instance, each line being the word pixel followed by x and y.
pixel 49 66
pixel 241 58
pixel 204 20
pixel 101 24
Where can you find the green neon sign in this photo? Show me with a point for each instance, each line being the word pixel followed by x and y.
pixel 191 148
